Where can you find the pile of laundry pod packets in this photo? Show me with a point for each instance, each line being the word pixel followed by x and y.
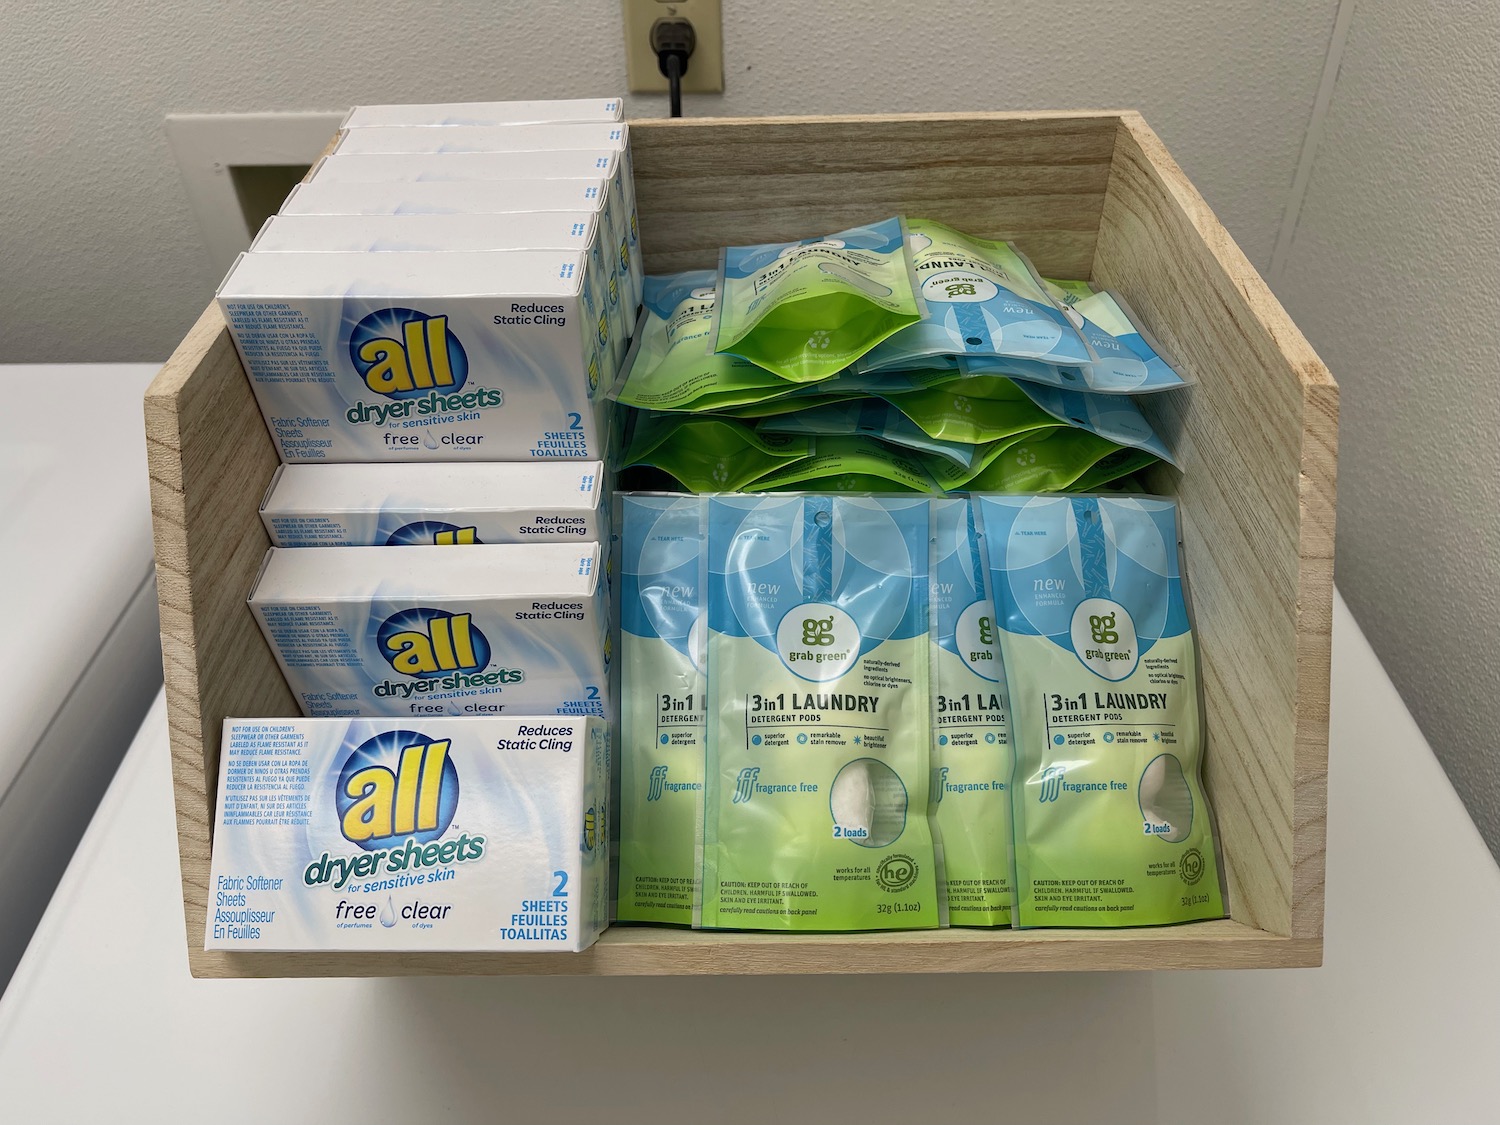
pixel 901 356
pixel 876 673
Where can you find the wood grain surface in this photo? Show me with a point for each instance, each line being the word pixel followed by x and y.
pixel 626 950
pixel 210 458
pixel 703 183
pixel 1085 194
pixel 1258 436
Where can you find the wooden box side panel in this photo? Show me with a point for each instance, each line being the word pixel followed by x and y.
pixel 642 951
pixel 210 459
pixel 1258 437
pixel 702 183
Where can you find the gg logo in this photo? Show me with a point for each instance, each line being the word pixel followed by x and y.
pixel 817 631
pixel 1102 627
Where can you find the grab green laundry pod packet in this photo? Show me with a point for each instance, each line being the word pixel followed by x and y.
pixel 985 407
pixel 670 366
pixel 1052 461
pixel 707 454
pixel 973 410
pixel 835 459
pixel 871 417
pixel 971 755
pixel 887 382
pixel 746 401
pixel 1112 825
pixel 805 310
pixel 662 630
pixel 983 298
pixel 1110 416
pixel 951 478
pixel 1115 471
pixel 816 806
pixel 845 483
pixel 1127 359
pixel 782 404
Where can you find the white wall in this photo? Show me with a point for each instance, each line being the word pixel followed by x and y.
pixel 103 260
pixel 1393 276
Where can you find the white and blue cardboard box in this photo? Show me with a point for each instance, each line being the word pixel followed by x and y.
pixel 513 139
pixel 424 631
pixel 436 504
pixel 439 114
pixel 432 185
pixel 531 230
pixel 598 175
pixel 482 356
pixel 410 835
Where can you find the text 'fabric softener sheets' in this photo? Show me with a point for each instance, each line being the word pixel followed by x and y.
pixel 410 835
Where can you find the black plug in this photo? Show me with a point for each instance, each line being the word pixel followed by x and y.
pixel 673 41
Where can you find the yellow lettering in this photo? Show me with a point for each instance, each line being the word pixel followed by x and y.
pixel 442 642
pixel 448 644
pixel 369 818
pixel 463 641
pixel 411 653
pixel 388 372
pixel 432 785
pixel 437 350
pixel 416 354
pixel 407 779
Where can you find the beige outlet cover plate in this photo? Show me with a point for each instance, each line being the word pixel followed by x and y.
pixel 705 74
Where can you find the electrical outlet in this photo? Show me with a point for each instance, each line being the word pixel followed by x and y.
pixel 705 72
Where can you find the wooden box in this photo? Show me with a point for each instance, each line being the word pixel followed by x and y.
pixel 1086 195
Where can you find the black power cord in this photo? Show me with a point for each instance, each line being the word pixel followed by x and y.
pixel 673 41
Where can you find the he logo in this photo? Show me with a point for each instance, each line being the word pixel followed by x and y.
pixel 1103 629
pixel 657 783
pixel 399 783
pixel 986 631
pixel 817 631
pixel 402 353
pixel 1052 778
pixel 1190 867
pixel 961 289
pixel 744 785
pixel 428 642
